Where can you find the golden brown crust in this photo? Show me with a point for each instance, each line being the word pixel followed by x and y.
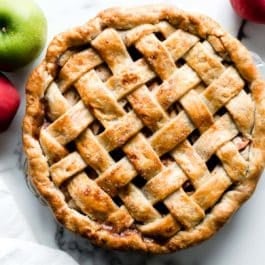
pixel 253 127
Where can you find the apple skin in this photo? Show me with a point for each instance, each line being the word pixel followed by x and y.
pixel 23 31
pixel 253 10
pixel 9 102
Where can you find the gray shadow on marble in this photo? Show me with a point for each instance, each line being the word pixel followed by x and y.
pixel 86 254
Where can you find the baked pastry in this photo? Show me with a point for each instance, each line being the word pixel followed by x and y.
pixel 144 128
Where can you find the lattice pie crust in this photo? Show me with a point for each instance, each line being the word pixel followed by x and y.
pixel 144 128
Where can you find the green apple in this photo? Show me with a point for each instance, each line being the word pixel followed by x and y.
pixel 23 30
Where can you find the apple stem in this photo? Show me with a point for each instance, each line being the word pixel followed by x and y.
pixel 241 34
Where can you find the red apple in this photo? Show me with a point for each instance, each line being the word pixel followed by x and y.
pixel 253 10
pixel 9 102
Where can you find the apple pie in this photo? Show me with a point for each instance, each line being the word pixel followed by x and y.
pixel 145 128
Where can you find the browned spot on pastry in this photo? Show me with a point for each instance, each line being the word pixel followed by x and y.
pixel 129 79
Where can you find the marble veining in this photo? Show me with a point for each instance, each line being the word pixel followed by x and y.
pixel 228 247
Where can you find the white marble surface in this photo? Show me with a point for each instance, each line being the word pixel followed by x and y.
pixel 241 241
